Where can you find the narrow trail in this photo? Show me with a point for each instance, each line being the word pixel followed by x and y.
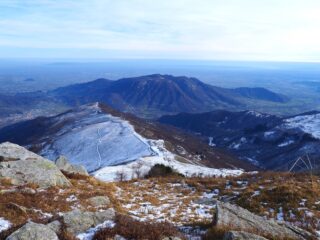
pixel 98 151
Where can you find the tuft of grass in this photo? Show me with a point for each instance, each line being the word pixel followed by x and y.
pixel 133 229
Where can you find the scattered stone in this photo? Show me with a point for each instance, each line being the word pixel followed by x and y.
pixel 77 221
pixel 171 238
pixel 33 231
pixel 239 235
pixel 239 218
pixel 29 168
pixel 55 226
pixel 206 201
pixel 63 164
pixel 28 191
pixel 118 237
pixel 99 201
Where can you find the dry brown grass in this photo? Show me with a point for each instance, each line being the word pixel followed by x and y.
pixel 18 205
pixel 133 229
pixel 275 190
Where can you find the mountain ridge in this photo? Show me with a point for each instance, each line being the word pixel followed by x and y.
pixel 270 141
pixel 157 94
pixel 98 136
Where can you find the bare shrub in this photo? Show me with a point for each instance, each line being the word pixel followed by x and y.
pixel 121 176
pixel 137 170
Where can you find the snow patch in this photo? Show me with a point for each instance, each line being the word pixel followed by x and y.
pixel 268 134
pixel 89 234
pixel 4 224
pixel 287 143
pixel 211 144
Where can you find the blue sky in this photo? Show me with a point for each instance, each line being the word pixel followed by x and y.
pixel 279 30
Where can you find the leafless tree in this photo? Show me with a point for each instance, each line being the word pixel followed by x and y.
pixel 121 176
pixel 137 170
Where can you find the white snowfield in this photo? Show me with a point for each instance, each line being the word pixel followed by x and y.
pixel 307 123
pixel 108 145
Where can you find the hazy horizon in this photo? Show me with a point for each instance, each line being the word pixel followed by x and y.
pixel 285 31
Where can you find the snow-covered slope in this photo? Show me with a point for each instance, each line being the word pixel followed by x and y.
pixel 108 145
pixel 307 123
pixel 95 140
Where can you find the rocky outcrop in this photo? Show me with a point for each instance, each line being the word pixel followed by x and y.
pixel 63 164
pixel 239 235
pixel 77 222
pixel 12 152
pixel 22 167
pixel 235 217
pixel 33 231
pixel 55 226
pixel 99 201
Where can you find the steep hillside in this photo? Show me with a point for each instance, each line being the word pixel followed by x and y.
pixel 157 94
pixel 106 142
pixel 268 141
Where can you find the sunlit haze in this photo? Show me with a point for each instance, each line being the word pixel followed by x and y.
pixel 276 30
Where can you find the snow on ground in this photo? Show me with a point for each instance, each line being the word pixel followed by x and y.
pixel 269 133
pixel 108 145
pixel 89 234
pixel 4 224
pixel 308 123
pixel 162 157
pixel 211 143
pixel 177 203
pixel 287 143
pixel 257 114
pixel 94 140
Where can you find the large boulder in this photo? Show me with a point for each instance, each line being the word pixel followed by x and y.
pixel 77 221
pixel 12 152
pixel 240 235
pixel 55 226
pixel 99 201
pixel 233 216
pixel 63 164
pixel 22 167
pixel 33 231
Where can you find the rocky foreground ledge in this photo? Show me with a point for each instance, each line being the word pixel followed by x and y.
pixel 43 200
